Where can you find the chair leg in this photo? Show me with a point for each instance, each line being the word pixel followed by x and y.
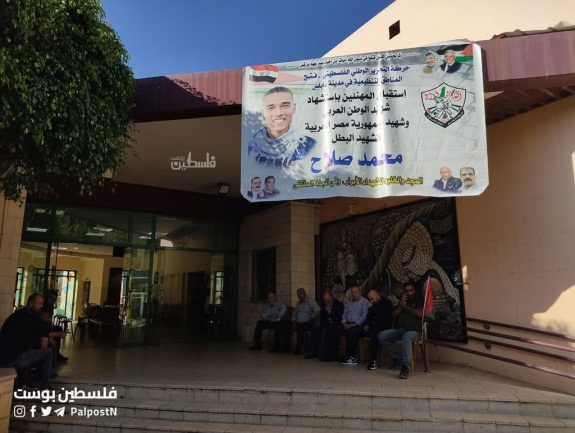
pixel 413 356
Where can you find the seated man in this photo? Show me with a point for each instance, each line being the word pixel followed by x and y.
pixel 55 334
pixel 353 320
pixel 303 317
pixel 379 318
pixel 24 342
pixel 50 299
pixel 273 318
pixel 330 317
pixel 408 315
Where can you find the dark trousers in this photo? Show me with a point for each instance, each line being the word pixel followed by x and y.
pixel 329 342
pixel 316 334
pixel 351 338
pixel 41 358
pixel 281 334
pixel 373 343
pixel 301 329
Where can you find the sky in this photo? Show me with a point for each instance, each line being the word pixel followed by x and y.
pixel 166 37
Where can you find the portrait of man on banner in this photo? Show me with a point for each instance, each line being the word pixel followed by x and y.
pixel 278 144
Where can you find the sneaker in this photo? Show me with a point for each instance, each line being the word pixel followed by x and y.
pixel 310 355
pixel 404 372
pixel 255 347
pixel 371 365
pixel 396 364
pixel 350 360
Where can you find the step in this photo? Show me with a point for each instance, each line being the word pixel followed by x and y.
pixel 389 421
pixel 546 404
pixel 151 408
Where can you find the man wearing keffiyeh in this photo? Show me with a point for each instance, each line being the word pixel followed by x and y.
pixel 277 144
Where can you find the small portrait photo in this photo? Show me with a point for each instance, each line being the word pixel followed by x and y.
pixel 255 191
pixel 446 182
pixel 270 189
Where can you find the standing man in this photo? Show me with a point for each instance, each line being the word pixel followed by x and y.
pixel 353 320
pixel 24 342
pixel 303 317
pixel 379 318
pixel 278 144
pixel 408 314
pixel 329 323
pixel 272 318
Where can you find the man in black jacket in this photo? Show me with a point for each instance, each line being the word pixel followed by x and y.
pixel 330 319
pixel 24 342
pixel 379 318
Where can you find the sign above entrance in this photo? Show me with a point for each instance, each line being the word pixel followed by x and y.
pixel 394 123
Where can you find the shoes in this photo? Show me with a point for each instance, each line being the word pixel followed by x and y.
pixel 310 355
pixel 53 375
pixel 62 358
pixel 396 364
pixel 404 372
pixel 372 365
pixel 255 347
pixel 297 352
pixel 350 360
pixel 274 350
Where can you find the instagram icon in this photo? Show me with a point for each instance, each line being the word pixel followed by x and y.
pixel 19 411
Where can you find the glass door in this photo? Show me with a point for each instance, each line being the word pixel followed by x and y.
pixel 136 291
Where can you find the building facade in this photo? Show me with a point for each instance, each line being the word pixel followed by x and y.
pixel 516 240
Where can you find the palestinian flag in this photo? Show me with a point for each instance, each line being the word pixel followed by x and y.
pixel 263 73
pixel 466 54
pixel 463 52
pixel 428 309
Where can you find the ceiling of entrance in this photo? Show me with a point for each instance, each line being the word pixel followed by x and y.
pixel 158 143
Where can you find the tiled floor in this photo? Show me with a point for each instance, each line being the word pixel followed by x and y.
pixel 180 360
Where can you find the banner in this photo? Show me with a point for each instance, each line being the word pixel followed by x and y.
pixel 406 122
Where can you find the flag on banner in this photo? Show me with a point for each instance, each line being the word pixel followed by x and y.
pixel 466 54
pixel 263 73
pixel 428 309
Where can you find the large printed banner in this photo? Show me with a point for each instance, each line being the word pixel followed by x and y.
pixel 406 122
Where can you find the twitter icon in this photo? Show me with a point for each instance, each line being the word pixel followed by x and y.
pixel 46 410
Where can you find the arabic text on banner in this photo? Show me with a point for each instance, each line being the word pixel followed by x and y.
pixel 405 122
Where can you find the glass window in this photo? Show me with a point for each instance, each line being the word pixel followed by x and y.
pixel 92 226
pixel 179 233
pixel 37 223
pixel 142 229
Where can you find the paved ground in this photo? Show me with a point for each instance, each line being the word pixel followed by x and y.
pixel 181 360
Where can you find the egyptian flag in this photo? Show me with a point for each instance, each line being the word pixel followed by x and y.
pixel 428 309
pixel 263 73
